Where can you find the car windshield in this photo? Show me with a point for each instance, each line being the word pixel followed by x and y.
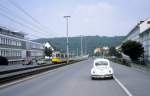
pixel 101 63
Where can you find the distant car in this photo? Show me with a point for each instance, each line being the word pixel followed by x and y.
pixel 28 62
pixel 41 61
pixel 101 69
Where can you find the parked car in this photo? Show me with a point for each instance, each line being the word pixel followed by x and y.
pixel 28 62
pixel 3 61
pixel 41 61
pixel 101 69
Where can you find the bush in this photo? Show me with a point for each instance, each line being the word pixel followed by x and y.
pixel 3 61
pixel 114 52
pixel 121 61
pixel 125 62
pixel 133 49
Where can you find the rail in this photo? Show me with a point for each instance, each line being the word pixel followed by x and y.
pixel 11 75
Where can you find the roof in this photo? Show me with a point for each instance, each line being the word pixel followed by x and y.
pixel 138 25
pixel 135 27
pixel 12 31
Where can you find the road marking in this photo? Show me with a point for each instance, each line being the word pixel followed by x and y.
pixel 123 87
pixel 28 78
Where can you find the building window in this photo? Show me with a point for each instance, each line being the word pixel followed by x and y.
pixel 2 40
pixel 2 53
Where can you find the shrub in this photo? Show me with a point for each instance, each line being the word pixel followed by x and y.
pixel 133 49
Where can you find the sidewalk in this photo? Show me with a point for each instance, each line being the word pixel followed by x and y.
pixel 18 66
pixel 141 67
pixel 15 66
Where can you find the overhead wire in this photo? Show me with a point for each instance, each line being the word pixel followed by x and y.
pixel 26 13
pixel 17 22
pixel 8 11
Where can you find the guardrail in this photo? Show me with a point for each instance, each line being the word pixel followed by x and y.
pixel 11 75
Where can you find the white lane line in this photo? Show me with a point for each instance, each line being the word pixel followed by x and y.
pixel 123 87
pixel 28 78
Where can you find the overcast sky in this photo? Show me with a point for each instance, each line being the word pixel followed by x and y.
pixel 88 17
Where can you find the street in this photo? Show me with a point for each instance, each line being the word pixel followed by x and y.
pixel 74 80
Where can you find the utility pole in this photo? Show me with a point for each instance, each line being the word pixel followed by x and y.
pixel 67 33
pixel 81 46
pixel 77 51
pixel 85 50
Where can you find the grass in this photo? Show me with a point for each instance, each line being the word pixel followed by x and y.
pixel 145 67
pixel 121 61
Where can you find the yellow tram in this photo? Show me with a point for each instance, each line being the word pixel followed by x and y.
pixel 58 57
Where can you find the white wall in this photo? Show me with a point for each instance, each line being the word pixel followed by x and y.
pixel 145 25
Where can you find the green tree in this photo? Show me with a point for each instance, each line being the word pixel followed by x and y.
pixel 48 51
pixel 98 54
pixel 133 49
pixel 114 52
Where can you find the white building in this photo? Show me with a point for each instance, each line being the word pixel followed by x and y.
pixel 141 33
pixel 16 48
pixel 48 45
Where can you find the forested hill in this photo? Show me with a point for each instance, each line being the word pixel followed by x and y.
pixel 89 42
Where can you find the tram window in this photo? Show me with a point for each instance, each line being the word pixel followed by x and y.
pixel 57 55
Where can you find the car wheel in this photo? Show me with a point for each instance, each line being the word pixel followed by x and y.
pixel 111 77
pixel 92 78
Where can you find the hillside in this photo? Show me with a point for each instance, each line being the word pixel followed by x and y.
pixel 89 43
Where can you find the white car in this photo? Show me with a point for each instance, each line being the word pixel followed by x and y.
pixel 41 61
pixel 101 69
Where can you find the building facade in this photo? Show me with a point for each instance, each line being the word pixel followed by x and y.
pixel 141 33
pixel 16 48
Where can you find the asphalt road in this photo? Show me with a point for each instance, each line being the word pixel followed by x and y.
pixel 74 80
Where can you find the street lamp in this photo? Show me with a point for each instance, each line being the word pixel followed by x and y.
pixel 67 17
